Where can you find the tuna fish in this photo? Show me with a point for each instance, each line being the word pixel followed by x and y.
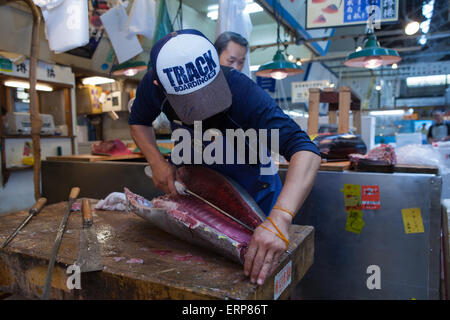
pixel 190 219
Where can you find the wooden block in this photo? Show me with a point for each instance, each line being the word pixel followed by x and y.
pixel 163 273
pixel 93 158
pixel 332 117
pixel 335 166
pixel 411 168
pixel 357 121
pixel 344 109
pixel 445 287
pixel 313 111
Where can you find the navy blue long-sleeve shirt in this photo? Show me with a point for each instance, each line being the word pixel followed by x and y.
pixel 251 107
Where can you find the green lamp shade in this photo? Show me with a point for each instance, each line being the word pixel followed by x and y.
pixel 129 68
pixel 372 55
pixel 279 68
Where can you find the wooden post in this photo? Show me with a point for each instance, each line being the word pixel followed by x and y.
pixel 36 122
pixel 344 109
pixel 68 116
pixel 313 111
pixel 357 120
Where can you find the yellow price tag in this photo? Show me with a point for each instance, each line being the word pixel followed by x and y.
pixel 352 190
pixel 352 201
pixel 412 220
pixel 355 222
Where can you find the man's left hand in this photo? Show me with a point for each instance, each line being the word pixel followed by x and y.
pixel 265 248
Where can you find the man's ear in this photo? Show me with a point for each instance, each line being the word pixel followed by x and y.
pixel 155 83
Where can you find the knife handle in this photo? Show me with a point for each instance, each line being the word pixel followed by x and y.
pixel 86 211
pixel 38 205
pixel 74 192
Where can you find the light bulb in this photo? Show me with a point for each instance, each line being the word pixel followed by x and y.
pixel 290 57
pixel 378 87
pixel 394 66
pixel 130 72
pixel 412 28
pixel 278 74
pixel 358 49
pixel 299 63
pixel 373 62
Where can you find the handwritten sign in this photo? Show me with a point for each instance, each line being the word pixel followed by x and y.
pixel 412 220
pixel 330 13
pixel 282 280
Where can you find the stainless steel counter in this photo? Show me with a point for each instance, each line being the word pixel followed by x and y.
pixel 409 263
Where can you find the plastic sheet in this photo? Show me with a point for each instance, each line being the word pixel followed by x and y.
pixel 419 154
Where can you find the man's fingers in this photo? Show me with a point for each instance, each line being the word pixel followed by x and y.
pixel 171 187
pixel 276 260
pixel 257 263
pixel 266 268
pixel 249 257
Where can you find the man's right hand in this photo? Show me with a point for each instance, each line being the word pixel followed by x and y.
pixel 164 176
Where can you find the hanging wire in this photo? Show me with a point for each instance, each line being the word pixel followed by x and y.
pixel 277 19
pixel 179 15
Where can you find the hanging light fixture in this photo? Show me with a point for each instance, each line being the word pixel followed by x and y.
pixel 129 68
pixel 279 68
pixel 372 56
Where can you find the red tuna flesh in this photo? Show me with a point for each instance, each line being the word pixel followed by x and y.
pixel 221 192
pixel 191 211
pixel 194 221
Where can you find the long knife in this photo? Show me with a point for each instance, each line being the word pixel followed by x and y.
pixel 35 209
pixel 181 189
pixel 89 255
pixel 48 279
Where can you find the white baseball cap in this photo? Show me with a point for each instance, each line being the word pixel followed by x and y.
pixel 187 66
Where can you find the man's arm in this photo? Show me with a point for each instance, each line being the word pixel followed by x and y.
pixel 265 248
pixel 164 174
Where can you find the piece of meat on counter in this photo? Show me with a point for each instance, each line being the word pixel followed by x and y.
pixel 192 220
pixel 339 146
pixel 111 148
pixel 383 155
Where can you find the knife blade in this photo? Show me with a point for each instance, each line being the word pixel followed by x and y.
pixel 181 189
pixel 33 211
pixel 89 254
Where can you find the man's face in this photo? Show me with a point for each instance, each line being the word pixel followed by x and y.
pixel 233 56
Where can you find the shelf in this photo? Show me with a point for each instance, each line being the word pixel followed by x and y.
pixel 18 136
pixel 19 168
pixel 6 172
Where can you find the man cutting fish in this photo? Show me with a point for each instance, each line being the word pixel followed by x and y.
pixel 187 83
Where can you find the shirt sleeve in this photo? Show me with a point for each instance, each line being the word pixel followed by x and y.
pixel 146 106
pixel 254 108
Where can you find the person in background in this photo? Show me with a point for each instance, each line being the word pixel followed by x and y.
pixel 439 131
pixel 232 49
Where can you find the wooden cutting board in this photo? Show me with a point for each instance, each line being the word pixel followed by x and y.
pixel 93 158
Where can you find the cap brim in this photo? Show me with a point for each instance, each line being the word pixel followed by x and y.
pixel 203 103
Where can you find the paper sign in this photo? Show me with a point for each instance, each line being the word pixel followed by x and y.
pixel 352 190
pixel 282 280
pixel 352 201
pixel 126 46
pixel 355 222
pixel 412 220
pixel 370 197
pixel 352 196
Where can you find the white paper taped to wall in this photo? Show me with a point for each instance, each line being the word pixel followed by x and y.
pixel 67 25
pixel 126 46
pixel 142 19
